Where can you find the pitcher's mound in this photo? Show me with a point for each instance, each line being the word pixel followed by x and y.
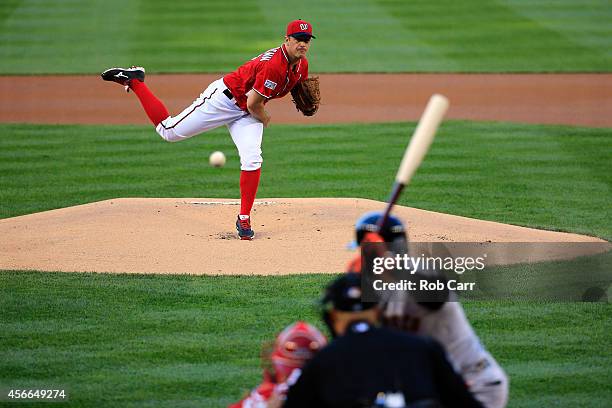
pixel 198 236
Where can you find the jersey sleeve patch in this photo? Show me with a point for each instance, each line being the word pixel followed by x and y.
pixel 267 81
pixel 270 84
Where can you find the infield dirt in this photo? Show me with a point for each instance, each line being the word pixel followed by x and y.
pixel 569 99
pixel 197 236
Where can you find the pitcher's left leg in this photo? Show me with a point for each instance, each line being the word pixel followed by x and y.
pixel 247 134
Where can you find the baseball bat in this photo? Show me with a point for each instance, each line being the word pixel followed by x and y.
pixel 417 148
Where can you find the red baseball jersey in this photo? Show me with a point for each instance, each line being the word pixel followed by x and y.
pixel 269 74
pixel 257 398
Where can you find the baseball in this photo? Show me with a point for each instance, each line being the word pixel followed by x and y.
pixel 217 159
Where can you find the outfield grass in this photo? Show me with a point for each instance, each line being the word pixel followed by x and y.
pixel 158 341
pixel 553 177
pixel 57 36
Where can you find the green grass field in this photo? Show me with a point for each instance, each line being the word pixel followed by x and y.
pixel 58 36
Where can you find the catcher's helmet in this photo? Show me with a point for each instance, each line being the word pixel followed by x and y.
pixel 392 230
pixel 295 345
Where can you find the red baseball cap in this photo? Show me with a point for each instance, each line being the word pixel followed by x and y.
pixel 299 28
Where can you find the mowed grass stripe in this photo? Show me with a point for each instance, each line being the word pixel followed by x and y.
pixel 149 339
pixel 66 36
pixel 493 34
pixel 551 177
pixel 196 36
pixel 54 36
pixel 564 17
pixel 567 364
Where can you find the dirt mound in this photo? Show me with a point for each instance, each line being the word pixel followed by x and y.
pixel 197 236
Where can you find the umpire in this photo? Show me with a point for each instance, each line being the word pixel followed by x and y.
pixel 370 366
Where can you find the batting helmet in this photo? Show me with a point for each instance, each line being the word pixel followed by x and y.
pixel 392 230
pixel 295 345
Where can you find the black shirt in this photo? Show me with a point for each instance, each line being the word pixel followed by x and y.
pixel 366 360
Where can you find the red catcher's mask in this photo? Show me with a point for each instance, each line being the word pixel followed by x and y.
pixel 295 345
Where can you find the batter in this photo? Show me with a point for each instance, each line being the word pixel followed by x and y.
pixel 445 320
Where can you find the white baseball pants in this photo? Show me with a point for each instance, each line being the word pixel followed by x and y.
pixel 211 110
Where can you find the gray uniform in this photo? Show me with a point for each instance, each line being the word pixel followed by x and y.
pixel 449 325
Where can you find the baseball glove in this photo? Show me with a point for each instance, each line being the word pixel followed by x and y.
pixel 306 96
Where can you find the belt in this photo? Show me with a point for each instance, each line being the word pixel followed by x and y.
pixel 228 94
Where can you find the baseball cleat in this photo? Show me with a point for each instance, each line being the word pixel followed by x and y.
pixel 124 76
pixel 243 225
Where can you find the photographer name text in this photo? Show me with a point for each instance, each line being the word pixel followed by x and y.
pixel 423 285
